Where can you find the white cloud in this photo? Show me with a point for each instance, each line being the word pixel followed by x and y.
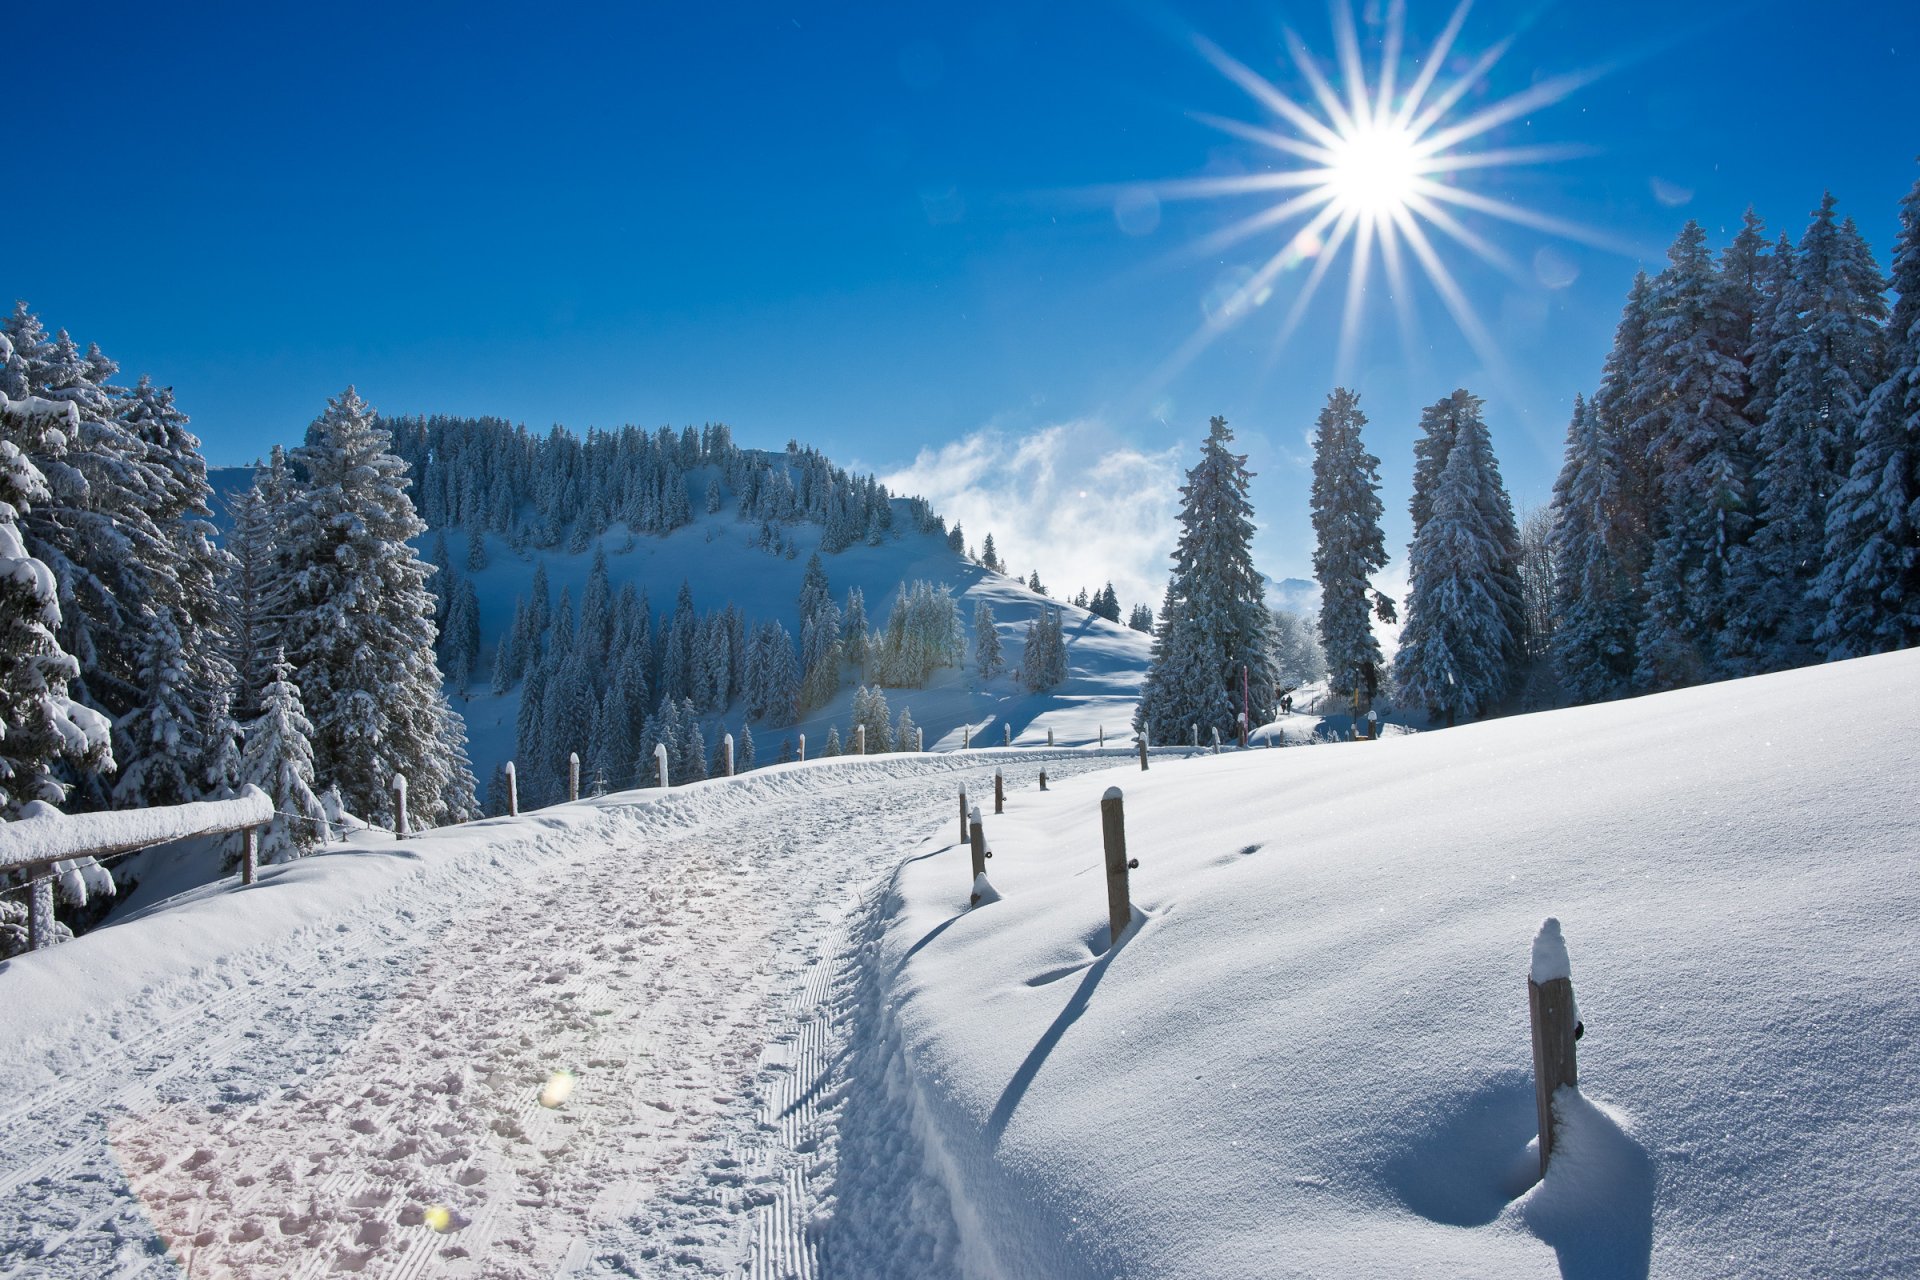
pixel 1073 500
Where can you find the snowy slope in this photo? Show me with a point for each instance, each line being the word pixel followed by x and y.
pixel 1311 1056
pixel 1106 662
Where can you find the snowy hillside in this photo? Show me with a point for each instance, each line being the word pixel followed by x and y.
pixel 1311 1056
pixel 715 556
pixel 1105 661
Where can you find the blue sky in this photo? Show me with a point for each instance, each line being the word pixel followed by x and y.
pixel 888 230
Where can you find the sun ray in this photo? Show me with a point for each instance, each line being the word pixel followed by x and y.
pixel 1481 68
pixel 1450 292
pixel 1266 94
pixel 1389 61
pixel 1266 138
pixel 1544 94
pixel 1431 66
pixel 1343 124
pixel 1298 311
pixel 1527 217
pixel 1505 158
pixel 1356 295
pixel 1460 234
pixel 1347 41
pixel 1253 224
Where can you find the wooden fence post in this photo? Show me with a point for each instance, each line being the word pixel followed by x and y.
pixel 1143 753
pixel 966 737
pixel 1196 735
pixel 1043 779
pixel 660 761
pixel 250 855
pixel 400 828
pixel 513 791
pixel 1049 737
pixel 1216 739
pixel 573 775
pixel 1009 729
pixel 963 813
pixel 1113 833
pixel 1556 1026
pixel 999 793
pixel 977 834
pixel 919 738
pixel 40 908
pixel 859 739
pixel 803 746
pixel 1103 737
pixel 726 755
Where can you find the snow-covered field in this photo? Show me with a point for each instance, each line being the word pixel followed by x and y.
pixel 792 1050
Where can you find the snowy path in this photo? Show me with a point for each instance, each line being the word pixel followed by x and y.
pixel 687 958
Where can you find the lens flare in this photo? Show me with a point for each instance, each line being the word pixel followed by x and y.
pixel 556 1091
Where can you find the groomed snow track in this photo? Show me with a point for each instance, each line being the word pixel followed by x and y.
pixel 699 960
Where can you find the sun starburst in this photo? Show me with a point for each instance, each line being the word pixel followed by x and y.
pixel 1372 162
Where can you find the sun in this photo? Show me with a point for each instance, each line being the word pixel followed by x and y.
pixel 1373 171
pixel 1361 161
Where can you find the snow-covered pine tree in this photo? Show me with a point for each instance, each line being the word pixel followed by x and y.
pixel 1297 659
pixel 832 747
pixel 252 596
pixel 163 736
pixel 904 730
pixel 460 642
pixel 853 627
pixel 957 541
pixel 691 765
pixel 1868 590
pixel 1141 619
pixel 1456 651
pixel 990 558
pixel 1828 348
pixel 359 630
pixel 1593 587
pixel 1694 421
pixel 224 774
pixel 1349 547
pixel 987 657
pixel 278 758
pixel 743 749
pixel 1441 425
pixel 44 725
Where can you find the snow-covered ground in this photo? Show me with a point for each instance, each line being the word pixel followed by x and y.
pixel 288 1079
pixel 790 1049
pixel 1310 1057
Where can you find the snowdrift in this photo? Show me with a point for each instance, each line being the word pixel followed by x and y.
pixel 1309 1054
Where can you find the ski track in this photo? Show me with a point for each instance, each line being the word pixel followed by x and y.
pixel 700 961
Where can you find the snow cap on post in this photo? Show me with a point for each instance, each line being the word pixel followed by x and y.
pixel 1112 793
pixel 973 814
pixel 1550 953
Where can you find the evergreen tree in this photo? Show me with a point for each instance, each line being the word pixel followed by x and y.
pixel 1593 536
pixel 1297 659
pixel 278 758
pixel 989 558
pixel 743 749
pixel 1349 547
pixel 986 642
pixel 832 747
pixel 957 541
pixel 1828 350
pixel 1868 591
pixel 853 627
pixel 905 732
pixel 1033 583
pixel 1442 426
pixel 1694 421
pixel 251 595
pixel 224 774
pixel 44 725
pixel 360 629
pixel 162 737
pixel 1141 619
pixel 1456 651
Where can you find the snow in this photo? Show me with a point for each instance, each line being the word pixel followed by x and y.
pixel 1549 954
pixel 1311 1054
pixel 781 1041
pixel 48 836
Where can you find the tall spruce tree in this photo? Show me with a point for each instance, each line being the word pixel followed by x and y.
pixel 1457 649
pixel 359 630
pixel 1826 358
pixel 278 758
pixel 1868 591
pixel 1217 652
pixel 1349 547
pixel 1594 538
pixel 1693 419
